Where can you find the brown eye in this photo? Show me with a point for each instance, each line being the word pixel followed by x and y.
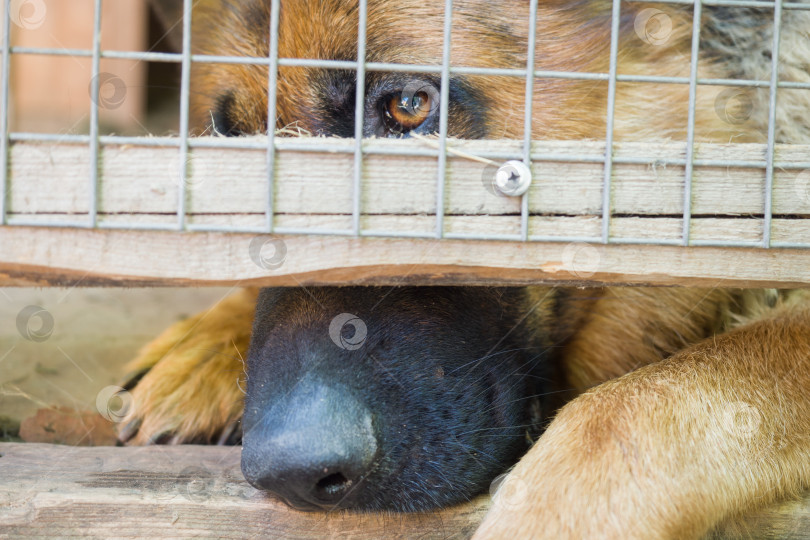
pixel 404 112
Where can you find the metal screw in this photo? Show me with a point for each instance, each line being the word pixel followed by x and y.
pixel 513 178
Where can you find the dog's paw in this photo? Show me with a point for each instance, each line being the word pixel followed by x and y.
pixel 187 385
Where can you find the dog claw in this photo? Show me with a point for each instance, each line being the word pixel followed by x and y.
pixel 133 378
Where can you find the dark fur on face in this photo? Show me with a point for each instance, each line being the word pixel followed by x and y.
pixel 446 379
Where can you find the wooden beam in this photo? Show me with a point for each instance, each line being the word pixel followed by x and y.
pixel 49 183
pixel 185 491
pixel 33 256
pixel 177 492
pixel 227 188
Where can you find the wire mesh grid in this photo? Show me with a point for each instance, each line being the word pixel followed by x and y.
pixel 273 145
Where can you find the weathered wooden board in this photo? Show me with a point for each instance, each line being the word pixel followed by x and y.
pixel 140 184
pixel 41 256
pixel 177 492
pixel 192 491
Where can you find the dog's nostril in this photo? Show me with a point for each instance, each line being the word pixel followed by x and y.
pixel 315 455
pixel 332 485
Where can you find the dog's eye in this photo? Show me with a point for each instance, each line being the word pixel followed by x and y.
pixel 405 112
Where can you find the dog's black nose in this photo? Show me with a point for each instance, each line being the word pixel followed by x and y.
pixel 313 450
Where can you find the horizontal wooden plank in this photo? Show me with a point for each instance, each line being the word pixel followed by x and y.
pixel 49 183
pixel 140 185
pixel 191 491
pixel 177 492
pixel 57 256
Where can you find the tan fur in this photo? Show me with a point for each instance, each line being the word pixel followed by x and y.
pixel 670 449
pixel 191 388
pixel 694 404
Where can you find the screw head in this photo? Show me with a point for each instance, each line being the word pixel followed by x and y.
pixel 513 178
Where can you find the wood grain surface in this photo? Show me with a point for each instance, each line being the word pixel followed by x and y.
pixel 198 491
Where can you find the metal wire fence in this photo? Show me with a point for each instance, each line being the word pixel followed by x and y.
pixel 273 145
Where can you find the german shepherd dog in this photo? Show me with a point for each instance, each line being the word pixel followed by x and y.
pixel 630 412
